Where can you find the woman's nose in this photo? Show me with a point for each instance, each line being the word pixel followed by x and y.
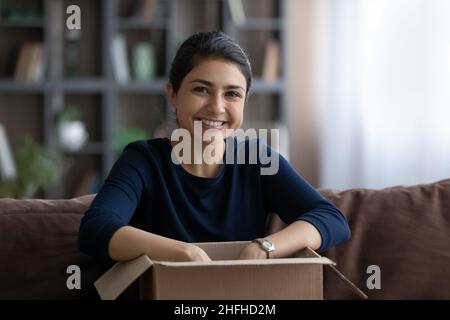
pixel 216 104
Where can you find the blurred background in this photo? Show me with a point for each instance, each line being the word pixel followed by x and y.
pixel 360 89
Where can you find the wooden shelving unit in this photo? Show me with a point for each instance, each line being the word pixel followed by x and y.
pixel 29 108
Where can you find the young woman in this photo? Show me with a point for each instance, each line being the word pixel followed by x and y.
pixel 152 205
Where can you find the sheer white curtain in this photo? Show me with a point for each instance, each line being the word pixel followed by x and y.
pixel 385 93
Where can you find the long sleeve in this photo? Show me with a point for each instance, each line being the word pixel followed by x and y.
pixel 293 198
pixel 115 204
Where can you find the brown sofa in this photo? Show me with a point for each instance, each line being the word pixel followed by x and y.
pixel 405 231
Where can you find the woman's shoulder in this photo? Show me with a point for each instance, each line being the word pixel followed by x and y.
pixel 151 149
pixel 149 145
pixel 259 152
pixel 251 147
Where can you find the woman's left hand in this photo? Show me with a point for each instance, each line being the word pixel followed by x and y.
pixel 252 251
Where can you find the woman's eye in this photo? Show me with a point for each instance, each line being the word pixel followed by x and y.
pixel 233 94
pixel 201 89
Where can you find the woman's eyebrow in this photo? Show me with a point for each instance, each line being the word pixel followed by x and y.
pixel 210 84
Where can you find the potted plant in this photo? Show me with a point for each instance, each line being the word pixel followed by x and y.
pixel 72 133
pixel 37 168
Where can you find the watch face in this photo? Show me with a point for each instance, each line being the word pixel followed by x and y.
pixel 266 244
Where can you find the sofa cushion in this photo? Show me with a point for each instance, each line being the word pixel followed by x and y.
pixel 38 241
pixel 405 230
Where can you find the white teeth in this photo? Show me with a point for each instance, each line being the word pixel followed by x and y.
pixel 212 123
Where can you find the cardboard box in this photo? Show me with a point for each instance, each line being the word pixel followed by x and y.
pixel 224 278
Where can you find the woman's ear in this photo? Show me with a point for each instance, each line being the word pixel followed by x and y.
pixel 171 94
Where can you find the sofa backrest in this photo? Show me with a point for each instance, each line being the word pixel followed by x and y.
pixel 403 230
pixel 38 242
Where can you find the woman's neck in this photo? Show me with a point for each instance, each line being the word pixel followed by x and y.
pixel 211 156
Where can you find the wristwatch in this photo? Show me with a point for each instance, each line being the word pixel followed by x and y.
pixel 266 245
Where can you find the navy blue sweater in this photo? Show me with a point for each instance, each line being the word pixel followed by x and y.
pixel 145 189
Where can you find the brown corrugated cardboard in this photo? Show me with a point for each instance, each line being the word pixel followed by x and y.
pixel 224 278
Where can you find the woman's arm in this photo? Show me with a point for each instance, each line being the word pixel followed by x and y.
pixel 312 220
pixel 294 237
pixel 105 231
pixel 128 243
pixel 115 203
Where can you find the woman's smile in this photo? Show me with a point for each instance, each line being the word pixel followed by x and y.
pixel 212 123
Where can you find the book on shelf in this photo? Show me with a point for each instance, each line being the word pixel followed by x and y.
pixel 119 59
pixel 143 61
pixel 7 164
pixel 237 12
pixel 35 62
pixel 148 9
pixel 42 65
pixel 271 63
pixel 30 62
pixel 22 61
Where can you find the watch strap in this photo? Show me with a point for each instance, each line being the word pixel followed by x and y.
pixel 260 243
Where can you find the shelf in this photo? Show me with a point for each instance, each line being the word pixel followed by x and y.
pixel 25 23
pixel 259 85
pixel 260 24
pixel 156 86
pixel 7 85
pixel 78 85
pixel 90 148
pixel 67 85
pixel 130 23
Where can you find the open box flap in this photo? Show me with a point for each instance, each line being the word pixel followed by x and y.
pixel 311 253
pixel 349 284
pixel 111 284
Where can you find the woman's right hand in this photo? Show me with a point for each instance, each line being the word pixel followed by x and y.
pixel 129 243
pixel 191 252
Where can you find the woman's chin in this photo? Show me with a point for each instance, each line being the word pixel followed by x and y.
pixel 213 134
pixel 214 138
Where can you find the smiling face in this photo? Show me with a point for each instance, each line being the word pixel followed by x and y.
pixel 214 93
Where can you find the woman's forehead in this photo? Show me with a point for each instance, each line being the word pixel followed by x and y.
pixel 217 72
